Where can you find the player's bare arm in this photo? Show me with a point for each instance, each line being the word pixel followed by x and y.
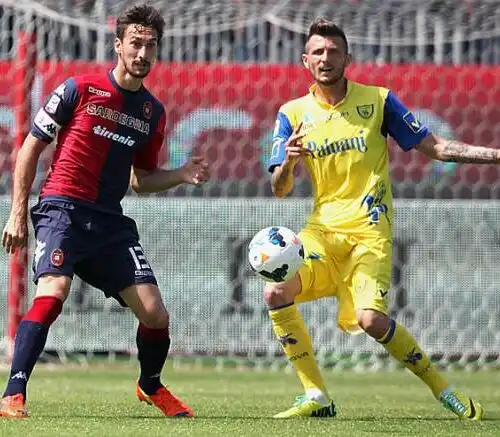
pixel 282 177
pixel 15 233
pixel 455 151
pixel 194 172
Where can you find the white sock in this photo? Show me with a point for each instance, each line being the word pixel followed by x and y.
pixel 315 394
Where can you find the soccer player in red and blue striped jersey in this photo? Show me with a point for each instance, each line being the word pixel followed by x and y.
pixel 109 129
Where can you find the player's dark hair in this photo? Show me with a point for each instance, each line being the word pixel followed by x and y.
pixel 323 27
pixel 145 15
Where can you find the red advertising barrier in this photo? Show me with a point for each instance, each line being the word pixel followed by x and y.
pixel 227 112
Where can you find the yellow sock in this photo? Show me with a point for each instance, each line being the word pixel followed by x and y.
pixel 292 333
pixel 402 346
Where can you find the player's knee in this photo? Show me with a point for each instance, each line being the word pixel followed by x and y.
pixel 146 303
pixel 374 323
pixel 157 318
pixel 282 293
pixel 53 285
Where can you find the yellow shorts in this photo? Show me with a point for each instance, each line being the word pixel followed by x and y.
pixel 357 273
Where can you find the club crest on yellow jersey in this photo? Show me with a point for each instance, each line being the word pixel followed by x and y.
pixel 365 111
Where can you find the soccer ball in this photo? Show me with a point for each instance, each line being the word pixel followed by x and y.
pixel 275 254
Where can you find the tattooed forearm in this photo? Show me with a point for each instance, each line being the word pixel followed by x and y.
pixel 456 151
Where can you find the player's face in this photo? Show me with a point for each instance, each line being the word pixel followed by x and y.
pixel 326 59
pixel 138 49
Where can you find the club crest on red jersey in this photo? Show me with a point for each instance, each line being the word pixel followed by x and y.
pixel 147 109
pixel 57 257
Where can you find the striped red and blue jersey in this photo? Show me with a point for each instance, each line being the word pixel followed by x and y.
pixel 101 130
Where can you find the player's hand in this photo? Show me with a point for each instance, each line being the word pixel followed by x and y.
pixel 15 233
pixel 294 148
pixel 195 171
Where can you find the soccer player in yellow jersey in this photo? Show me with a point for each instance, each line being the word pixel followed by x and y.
pixel 339 131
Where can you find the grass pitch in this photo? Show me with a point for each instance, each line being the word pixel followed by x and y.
pixel 99 401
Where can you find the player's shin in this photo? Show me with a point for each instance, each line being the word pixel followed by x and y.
pixel 292 333
pixel 402 346
pixel 152 351
pixel 30 341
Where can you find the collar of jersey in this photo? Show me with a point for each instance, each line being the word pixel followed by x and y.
pixel 111 77
pixel 313 88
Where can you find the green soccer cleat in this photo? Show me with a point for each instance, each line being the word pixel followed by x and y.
pixel 464 407
pixel 305 407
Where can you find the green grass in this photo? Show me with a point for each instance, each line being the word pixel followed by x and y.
pixel 99 401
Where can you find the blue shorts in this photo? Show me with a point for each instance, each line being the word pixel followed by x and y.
pixel 102 248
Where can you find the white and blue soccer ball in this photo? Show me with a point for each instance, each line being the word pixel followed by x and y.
pixel 275 254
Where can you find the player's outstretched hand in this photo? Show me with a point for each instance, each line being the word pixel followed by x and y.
pixel 15 234
pixel 195 171
pixel 294 148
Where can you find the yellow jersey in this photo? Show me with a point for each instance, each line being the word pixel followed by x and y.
pixel 349 166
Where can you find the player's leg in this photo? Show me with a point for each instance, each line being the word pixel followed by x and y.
pixel 370 285
pixel 120 270
pixel 31 336
pixel 153 337
pixel 153 343
pixel 52 291
pixel 398 341
pixel 53 262
pixel 292 332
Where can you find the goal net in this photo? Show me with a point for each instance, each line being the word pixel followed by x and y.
pixel 226 67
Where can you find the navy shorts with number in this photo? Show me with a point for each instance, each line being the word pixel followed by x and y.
pixel 102 248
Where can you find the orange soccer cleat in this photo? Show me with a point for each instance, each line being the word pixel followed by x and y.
pixel 13 406
pixel 169 405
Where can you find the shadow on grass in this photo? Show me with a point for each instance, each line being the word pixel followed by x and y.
pixel 266 418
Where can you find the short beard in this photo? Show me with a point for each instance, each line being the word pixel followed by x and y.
pixel 134 75
pixel 334 80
